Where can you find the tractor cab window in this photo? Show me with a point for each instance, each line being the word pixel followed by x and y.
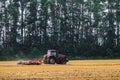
pixel 52 53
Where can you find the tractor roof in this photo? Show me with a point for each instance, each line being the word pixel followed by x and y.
pixel 52 50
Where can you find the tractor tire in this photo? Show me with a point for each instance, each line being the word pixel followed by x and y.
pixel 58 61
pixel 52 61
pixel 63 61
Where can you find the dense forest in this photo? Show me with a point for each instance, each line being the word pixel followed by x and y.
pixel 77 28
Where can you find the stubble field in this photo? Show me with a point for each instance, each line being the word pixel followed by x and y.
pixel 73 70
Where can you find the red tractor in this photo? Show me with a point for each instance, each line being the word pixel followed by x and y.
pixel 53 57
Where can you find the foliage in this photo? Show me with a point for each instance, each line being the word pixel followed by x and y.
pixel 28 28
pixel 35 53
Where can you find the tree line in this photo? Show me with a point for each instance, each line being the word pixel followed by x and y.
pixel 85 28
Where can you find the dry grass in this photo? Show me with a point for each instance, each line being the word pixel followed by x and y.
pixel 73 70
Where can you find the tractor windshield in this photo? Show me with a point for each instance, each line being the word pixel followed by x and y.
pixel 52 53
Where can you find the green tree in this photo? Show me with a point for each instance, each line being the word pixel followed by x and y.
pixel 14 12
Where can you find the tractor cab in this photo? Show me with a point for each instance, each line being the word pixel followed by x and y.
pixel 52 53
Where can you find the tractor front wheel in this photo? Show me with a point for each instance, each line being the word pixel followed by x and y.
pixel 52 61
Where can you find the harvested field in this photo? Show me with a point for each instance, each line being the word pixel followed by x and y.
pixel 73 70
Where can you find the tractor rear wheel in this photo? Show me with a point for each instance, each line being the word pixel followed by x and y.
pixel 63 61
